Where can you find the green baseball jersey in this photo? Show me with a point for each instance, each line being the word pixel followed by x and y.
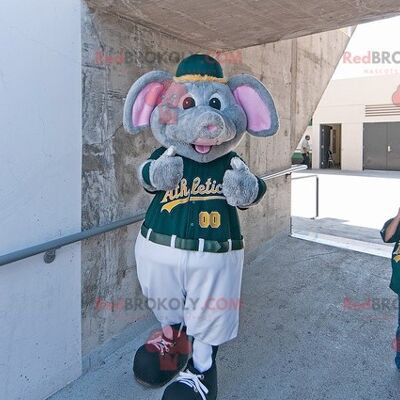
pixel 395 281
pixel 196 208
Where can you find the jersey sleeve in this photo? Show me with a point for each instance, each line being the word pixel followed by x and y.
pixel 395 237
pixel 262 188
pixel 144 170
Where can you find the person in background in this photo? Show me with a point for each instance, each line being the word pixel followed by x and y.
pixel 305 150
pixel 391 234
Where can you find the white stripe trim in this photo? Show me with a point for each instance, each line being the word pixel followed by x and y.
pixel 173 239
pixel 148 233
pixel 141 179
pixel 230 244
pixel 201 244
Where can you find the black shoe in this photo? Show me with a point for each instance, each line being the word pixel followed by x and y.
pixel 397 360
pixel 161 359
pixel 193 385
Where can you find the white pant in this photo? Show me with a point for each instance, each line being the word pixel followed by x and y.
pixel 199 289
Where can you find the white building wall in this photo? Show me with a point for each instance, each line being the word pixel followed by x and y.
pixel 40 195
pixel 344 103
pixel 352 146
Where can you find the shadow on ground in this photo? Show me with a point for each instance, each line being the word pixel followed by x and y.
pixel 337 227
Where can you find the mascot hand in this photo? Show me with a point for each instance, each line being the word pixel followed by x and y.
pixel 239 186
pixel 167 171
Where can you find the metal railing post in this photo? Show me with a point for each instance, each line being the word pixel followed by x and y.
pixel 316 196
pixel 316 191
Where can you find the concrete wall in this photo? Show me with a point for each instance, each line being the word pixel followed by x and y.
pixel 40 195
pixel 344 103
pixel 352 146
pixel 115 53
pixel 295 71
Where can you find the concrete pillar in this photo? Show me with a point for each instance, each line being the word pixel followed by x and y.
pixel 40 195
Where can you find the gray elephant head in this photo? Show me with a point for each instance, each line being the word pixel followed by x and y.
pixel 198 112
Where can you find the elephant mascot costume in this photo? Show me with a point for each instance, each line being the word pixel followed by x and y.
pixel 189 251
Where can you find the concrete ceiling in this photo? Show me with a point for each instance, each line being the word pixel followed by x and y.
pixel 234 24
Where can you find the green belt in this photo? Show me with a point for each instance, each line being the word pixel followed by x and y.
pixel 211 246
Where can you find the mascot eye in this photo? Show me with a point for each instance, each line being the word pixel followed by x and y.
pixel 215 103
pixel 188 102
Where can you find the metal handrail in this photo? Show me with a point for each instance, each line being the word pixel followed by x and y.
pixel 49 248
pixel 294 168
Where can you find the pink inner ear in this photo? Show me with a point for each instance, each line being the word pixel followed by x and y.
pixel 258 114
pixel 145 103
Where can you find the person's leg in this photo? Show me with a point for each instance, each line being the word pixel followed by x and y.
pixel 167 351
pixel 199 379
pixel 397 359
pixel 159 273
pixel 307 160
pixel 213 284
pixel 202 355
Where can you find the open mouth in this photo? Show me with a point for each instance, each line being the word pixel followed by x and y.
pixel 202 148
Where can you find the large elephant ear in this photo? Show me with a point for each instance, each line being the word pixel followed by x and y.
pixel 257 103
pixel 143 97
